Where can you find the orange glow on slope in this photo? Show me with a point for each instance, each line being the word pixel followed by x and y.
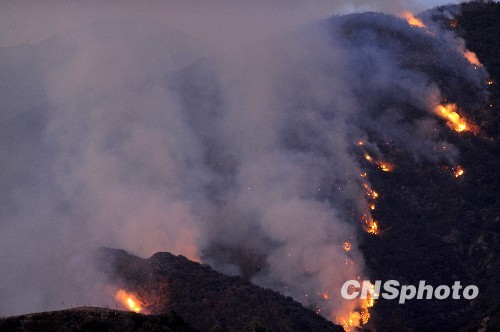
pixel 412 20
pixel 128 300
pixel 383 165
pixel 347 246
pixel 360 315
pixel 370 225
pixel 472 58
pixel 454 120
pixel 370 192
pixel 459 171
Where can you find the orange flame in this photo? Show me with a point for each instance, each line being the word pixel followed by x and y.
pixel 454 120
pixel 472 58
pixel 370 192
pixel 459 171
pixel 412 20
pixel 371 225
pixel 360 315
pixel 383 165
pixel 129 301
pixel 347 246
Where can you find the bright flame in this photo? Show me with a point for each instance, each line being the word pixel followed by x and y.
pixel 347 246
pixel 386 167
pixel 459 171
pixel 128 300
pixel 412 20
pixel 371 225
pixel 370 192
pixel 383 165
pixel 455 121
pixel 360 315
pixel 472 58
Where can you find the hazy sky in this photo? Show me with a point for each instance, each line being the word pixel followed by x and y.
pixel 31 21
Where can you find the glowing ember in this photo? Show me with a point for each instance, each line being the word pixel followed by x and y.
pixel 361 315
pixel 386 167
pixel 370 192
pixel 383 165
pixel 347 246
pixel 453 23
pixel 372 206
pixel 128 300
pixel 412 20
pixel 325 296
pixel 454 120
pixel 459 171
pixel 360 143
pixel 372 227
pixel 472 58
pixel 490 82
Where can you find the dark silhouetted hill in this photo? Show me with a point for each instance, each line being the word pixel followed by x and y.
pixel 204 297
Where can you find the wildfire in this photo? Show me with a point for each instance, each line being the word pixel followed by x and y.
pixel 371 225
pixel 383 165
pixel 459 171
pixel 128 300
pixel 454 120
pixel 412 20
pixel 386 167
pixel 472 58
pixel 361 315
pixel 370 192
pixel 347 246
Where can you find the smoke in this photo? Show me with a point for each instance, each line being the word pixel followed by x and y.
pixel 237 149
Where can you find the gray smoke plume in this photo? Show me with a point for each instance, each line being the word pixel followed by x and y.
pixel 130 134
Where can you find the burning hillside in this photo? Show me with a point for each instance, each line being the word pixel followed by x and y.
pixel 201 296
pixel 347 148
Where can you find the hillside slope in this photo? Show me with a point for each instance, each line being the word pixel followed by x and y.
pixel 204 297
pixel 439 228
pixel 94 319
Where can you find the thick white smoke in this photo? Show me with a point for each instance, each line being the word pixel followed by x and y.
pixel 142 137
